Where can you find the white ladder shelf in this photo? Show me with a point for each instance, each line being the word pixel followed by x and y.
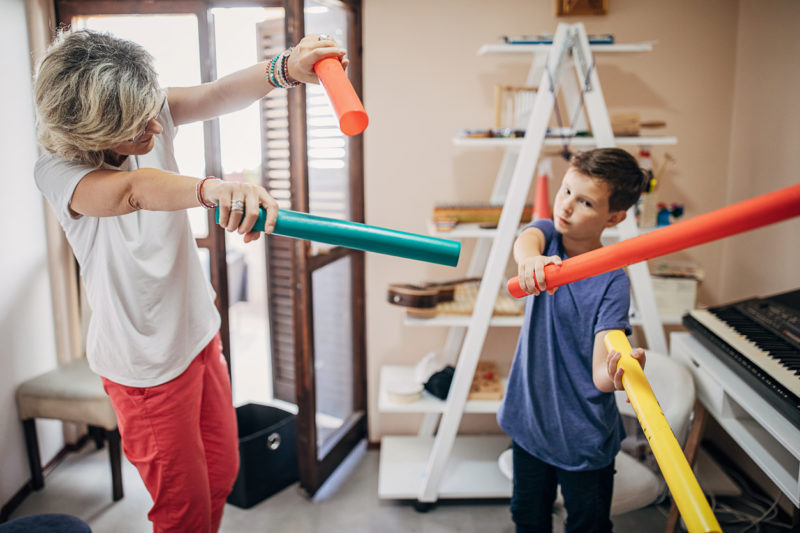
pixel 439 464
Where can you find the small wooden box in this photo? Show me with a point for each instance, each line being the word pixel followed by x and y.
pixel 486 383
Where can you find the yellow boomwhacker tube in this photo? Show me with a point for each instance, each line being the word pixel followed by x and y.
pixel 686 492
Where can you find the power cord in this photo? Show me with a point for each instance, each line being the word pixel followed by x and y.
pixel 762 511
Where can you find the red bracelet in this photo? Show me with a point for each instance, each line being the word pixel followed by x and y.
pixel 199 192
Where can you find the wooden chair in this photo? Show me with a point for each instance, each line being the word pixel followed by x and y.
pixel 72 393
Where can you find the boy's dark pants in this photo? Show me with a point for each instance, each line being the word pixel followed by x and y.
pixel 587 496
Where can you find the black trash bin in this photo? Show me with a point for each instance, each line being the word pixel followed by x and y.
pixel 267 453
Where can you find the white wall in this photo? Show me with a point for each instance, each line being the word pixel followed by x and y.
pixel 763 154
pixel 26 320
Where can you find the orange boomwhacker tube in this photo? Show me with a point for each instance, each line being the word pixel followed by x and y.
pixel 737 218
pixel 353 118
pixel 541 204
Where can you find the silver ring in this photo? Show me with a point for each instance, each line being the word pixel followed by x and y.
pixel 237 205
pixel 324 37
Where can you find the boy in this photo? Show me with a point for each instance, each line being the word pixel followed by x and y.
pixel 559 408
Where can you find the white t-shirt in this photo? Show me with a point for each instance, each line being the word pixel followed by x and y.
pixel 152 304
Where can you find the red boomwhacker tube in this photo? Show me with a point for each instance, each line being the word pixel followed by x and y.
pixel 353 118
pixel 541 203
pixel 737 218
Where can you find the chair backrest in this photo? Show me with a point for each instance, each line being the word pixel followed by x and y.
pixel 673 386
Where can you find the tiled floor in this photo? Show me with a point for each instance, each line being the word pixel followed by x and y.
pixel 81 486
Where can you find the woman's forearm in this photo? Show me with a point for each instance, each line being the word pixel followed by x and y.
pixel 227 94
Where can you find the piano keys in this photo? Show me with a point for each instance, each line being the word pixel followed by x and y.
pixel 759 339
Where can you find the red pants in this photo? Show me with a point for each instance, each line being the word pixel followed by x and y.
pixel 182 437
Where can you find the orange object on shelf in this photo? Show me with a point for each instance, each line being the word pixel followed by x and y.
pixel 541 204
pixel 737 218
pixel 353 118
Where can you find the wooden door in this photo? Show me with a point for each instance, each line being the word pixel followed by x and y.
pixel 326 283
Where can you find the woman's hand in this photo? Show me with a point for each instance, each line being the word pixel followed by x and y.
pixel 229 196
pixel 531 273
pixel 310 50
pixel 616 373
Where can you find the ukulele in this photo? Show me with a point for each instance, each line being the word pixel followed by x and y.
pixel 424 296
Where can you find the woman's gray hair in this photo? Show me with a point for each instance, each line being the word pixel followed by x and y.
pixel 92 92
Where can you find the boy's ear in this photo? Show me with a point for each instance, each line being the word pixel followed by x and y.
pixel 615 217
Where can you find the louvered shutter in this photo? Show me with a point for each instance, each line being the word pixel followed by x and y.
pixel 275 178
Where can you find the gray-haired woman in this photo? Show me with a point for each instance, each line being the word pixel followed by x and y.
pixel 110 175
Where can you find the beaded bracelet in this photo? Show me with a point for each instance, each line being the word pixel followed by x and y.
pixel 277 72
pixel 198 190
pixel 285 69
pixel 271 72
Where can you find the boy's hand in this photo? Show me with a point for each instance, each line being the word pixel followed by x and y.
pixel 616 373
pixel 534 266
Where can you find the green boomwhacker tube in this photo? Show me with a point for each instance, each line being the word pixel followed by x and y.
pixel 361 237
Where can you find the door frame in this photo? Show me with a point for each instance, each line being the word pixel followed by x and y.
pixel 317 465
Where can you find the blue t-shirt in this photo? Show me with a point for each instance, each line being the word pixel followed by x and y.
pixel 552 408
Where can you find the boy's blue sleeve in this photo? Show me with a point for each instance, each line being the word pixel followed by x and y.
pixel 613 312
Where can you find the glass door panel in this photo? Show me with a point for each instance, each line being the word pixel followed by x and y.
pixel 237 47
pixel 333 349
pixel 328 147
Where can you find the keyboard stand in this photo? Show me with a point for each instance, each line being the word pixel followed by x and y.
pixel 764 434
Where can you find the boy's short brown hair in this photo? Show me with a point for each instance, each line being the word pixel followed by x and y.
pixel 618 169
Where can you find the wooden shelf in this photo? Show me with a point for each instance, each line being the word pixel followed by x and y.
pixel 508 321
pixel 428 403
pixel 472 470
pixel 464 230
pixel 516 142
pixel 471 230
pixel 462 321
pixel 503 48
